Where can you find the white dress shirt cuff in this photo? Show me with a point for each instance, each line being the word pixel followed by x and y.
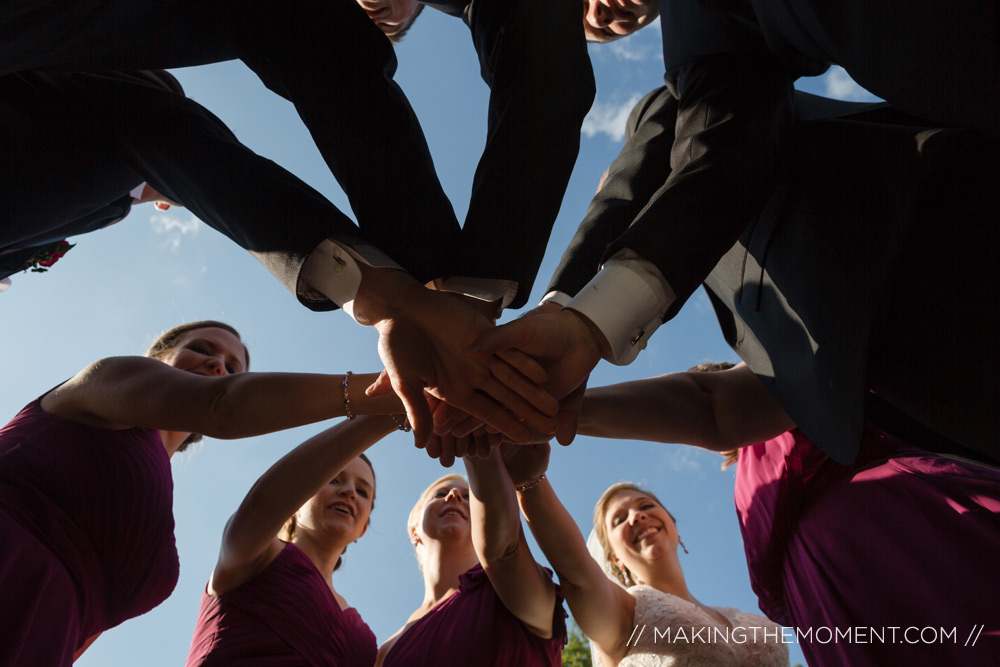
pixel 332 270
pixel 626 300
pixel 484 289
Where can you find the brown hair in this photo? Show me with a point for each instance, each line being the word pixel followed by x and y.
pixel 287 532
pixel 169 339
pixel 397 37
pixel 601 510
pixel 413 520
pixel 731 456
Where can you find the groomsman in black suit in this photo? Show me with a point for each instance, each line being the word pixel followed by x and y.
pixel 730 65
pixel 333 63
pixel 859 291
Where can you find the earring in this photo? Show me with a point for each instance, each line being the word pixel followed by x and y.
pixel 681 542
pixel 627 576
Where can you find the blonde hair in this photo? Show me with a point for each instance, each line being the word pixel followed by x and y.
pixel 413 520
pixel 601 511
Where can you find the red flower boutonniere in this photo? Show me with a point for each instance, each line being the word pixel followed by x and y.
pixel 43 259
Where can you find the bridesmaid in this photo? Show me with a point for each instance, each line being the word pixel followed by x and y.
pixel 271 598
pixel 86 495
pixel 486 600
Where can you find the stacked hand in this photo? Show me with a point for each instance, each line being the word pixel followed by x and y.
pixel 424 342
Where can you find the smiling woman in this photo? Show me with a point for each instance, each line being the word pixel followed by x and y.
pixel 86 494
pixel 271 593
pixel 639 540
pixel 486 601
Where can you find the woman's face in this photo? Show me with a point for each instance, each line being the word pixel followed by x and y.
pixel 604 20
pixel 390 16
pixel 639 529
pixel 208 351
pixel 446 512
pixel 341 509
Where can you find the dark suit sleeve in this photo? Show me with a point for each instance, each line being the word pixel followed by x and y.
pixel 733 111
pixel 640 169
pixel 534 57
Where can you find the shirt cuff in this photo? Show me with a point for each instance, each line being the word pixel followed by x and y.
pixel 626 300
pixel 136 192
pixel 485 289
pixel 557 297
pixel 332 269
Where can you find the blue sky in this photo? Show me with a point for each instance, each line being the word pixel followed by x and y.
pixel 122 286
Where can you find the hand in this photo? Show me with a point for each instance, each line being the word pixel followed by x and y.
pixel 566 344
pixel 525 463
pixel 161 202
pixel 424 338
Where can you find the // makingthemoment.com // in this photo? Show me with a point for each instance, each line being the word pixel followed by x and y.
pixel 890 634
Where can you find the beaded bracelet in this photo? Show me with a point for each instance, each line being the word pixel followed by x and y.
pixel 347 401
pixel 405 427
pixel 530 485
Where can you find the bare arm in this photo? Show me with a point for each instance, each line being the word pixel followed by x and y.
pixel 525 589
pixel 603 610
pixel 249 542
pixel 716 411
pixel 121 392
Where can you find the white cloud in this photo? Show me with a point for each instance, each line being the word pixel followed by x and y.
pixel 609 118
pixel 840 86
pixel 164 223
pixel 173 229
pixel 683 458
pixel 639 46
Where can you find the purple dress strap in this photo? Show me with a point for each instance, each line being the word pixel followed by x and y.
pixel 286 616
pixel 902 541
pixel 473 628
pixel 88 516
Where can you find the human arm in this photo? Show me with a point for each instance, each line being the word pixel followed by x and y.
pixel 424 340
pixel 249 541
pixel 602 609
pixel 717 411
pixel 122 392
pixel 522 585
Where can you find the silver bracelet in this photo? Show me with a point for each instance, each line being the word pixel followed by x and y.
pixel 347 401
pixel 530 485
pixel 405 426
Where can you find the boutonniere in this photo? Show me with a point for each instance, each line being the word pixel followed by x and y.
pixel 44 259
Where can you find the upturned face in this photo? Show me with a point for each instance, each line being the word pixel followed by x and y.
pixel 639 530
pixel 208 351
pixel 605 20
pixel 341 509
pixel 446 513
pixel 390 16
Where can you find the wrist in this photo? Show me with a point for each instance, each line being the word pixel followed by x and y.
pixel 383 294
pixel 588 332
pixel 530 486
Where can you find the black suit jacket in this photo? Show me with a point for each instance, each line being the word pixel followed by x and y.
pixel 77 143
pixel 817 294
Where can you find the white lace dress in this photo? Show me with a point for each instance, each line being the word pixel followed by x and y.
pixel 672 632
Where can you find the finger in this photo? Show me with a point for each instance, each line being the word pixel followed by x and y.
pixel 412 397
pixel 446 416
pixel 381 386
pixel 446 455
pixel 525 365
pixel 461 446
pixel 468 426
pixel 504 337
pixel 534 395
pixel 524 410
pixel 568 418
pixel 433 447
pixel 493 414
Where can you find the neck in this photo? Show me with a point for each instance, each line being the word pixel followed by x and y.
pixel 443 563
pixel 323 553
pixel 665 575
pixel 172 441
